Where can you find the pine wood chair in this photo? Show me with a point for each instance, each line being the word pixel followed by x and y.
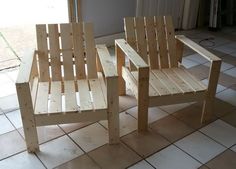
pixel 63 81
pixel 155 74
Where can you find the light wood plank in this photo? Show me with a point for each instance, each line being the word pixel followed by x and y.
pixel 54 52
pixel 41 105
pixel 66 46
pixel 171 41
pixel 98 96
pixel 161 38
pixel 103 85
pixel 42 46
pixel 168 82
pixel 141 40
pixel 90 50
pixel 84 95
pixel 152 43
pixel 120 62
pixel 77 32
pixel 34 90
pixel 55 97
pixel 70 96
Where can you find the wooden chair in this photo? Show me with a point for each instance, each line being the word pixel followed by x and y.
pixel 155 74
pixel 62 81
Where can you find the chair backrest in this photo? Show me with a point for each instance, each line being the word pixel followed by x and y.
pixel 153 38
pixel 66 51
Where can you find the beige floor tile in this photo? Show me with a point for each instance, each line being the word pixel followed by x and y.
pixel 229 59
pixel 90 137
pixel 221 108
pixel 230 118
pixel 226 160
pixel 114 156
pixel 233 148
pixel 7 89
pixel 58 151
pixel 11 143
pixel 141 165
pixel 226 80
pixel 197 58
pixel 68 128
pixel 201 72
pixel 227 48
pixel 82 162
pixel 9 103
pixel 200 147
pixel 219 87
pixel 46 133
pixel 173 158
pixel 4 78
pixel 154 113
pixel 228 95
pixel 13 73
pixel 127 123
pixel 15 118
pixel 126 102
pixel 23 160
pixel 172 108
pixel 171 128
pixel 203 167
pixel 221 132
pixel 6 126
pixel 224 66
pixel 188 63
pixel 145 144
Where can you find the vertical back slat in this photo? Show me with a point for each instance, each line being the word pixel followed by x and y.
pixel 42 46
pixel 90 50
pixel 152 42
pixel 141 40
pixel 77 32
pixel 66 46
pixel 130 36
pixel 54 52
pixel 171 41
pixel 161 38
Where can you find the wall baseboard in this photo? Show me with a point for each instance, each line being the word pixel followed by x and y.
pixel 109 40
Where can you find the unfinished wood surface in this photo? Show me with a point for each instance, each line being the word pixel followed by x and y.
pixel 77 32
pixel 34 90
pixel 141 39
pixel 170 34
pixel 41 105
pixel 90 50
pixel 42 46
pixel 70 96
pixel 152 43
pixel 97 95
pixel 66 46
pixel 179 50
pixel 129 26
pixel 84 95
pixel 161 38
pixel 158 85
pixel 103 85
pixel 131 82
pixel 120 62
pixel 55 101
pixel 54 52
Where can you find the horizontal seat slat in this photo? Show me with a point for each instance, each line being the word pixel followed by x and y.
pixel 84 95
pixel 41 105
pixel 55 101
pixel 70 96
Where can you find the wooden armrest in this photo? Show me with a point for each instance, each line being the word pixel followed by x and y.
pixel 106 61
pixel 197 48
pixel 131 54
pixel 26 67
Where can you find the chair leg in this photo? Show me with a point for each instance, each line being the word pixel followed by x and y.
pixel 113 111
pixel 142 116
pixel 207 111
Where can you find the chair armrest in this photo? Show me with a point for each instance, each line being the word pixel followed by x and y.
pixel 197 48
pixel 106 62
pixel 131 54
pixel 27 67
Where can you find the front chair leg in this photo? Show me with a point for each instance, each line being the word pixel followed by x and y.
pixel 207 111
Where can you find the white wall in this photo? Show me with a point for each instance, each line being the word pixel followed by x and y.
pixel 107 15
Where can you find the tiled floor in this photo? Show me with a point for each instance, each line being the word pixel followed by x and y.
pixel 176 139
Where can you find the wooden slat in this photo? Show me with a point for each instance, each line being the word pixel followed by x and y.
pixel 77 32
pixel 120 62
pixel 55 98
pixel 66 45
pixel 98 96
pixel 34 90
pixel 54 52
pixel 130 36
pixel 178 81
pixel 171 41
pixel 152 91
pixel 152 43
pixel 84 95
pixel 41 105
pixel 42 46
pixel 103 85
pixel 90 50
pixel 158 85
pixel 194 83
pixel 168 82
pixel 141 40
pixel 70 96
pixel 161 37
pixel 130 81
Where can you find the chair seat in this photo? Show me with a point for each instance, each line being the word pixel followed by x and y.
pixel 71 96
pixel 172 81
